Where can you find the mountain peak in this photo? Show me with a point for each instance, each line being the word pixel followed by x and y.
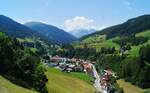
pixel 51 32
pixel 13 28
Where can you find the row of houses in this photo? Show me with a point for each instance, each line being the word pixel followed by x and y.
pixel 70 65
pixel 105 80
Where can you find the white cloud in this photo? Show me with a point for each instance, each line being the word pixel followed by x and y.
pixel 78 22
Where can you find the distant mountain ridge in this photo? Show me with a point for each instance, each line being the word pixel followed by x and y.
pixel 14 29
pixel 82 32
pixel 17 30
pixel 51 32
pixel 132 26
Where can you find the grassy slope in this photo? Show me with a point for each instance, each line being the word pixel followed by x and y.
pixel 60 82
pixel 135 49
pixel 128 87
pixel 98 42
pixel 25 40
pixel 7 87
pixel 147 91
pixel 32 40
pixel 81 76
pixel 144 34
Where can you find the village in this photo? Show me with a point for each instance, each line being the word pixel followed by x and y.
pixel 102 81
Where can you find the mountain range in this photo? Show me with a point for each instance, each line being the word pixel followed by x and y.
pixel 51 32
pixel 54 34
pixel 14 29
pixel 130 27
pixel 34 29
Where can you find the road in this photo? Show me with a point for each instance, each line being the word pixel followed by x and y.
pixel 97 84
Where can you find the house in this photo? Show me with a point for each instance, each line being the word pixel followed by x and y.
pixel 67 67
pixel 57 59
pixel 78 68
pixel 88 68
pixel 108 72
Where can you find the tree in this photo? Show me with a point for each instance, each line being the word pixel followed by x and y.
pixel 144 53
pixel 21 65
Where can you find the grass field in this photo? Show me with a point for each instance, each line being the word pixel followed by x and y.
pixel 7 87
pixel 60 82
pixel 81 76
pixel 134 52
pixel 128 87
pixel 135 49
pixel 98 42
pixel 25 40
pixel 147 91
pixel 33 50
pixel 95 39
pixel 144 34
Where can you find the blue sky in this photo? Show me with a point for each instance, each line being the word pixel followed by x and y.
pixel 74 14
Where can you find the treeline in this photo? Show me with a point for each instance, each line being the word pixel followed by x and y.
pixel 21 65
pixel 137 70
pixel 82 53
pixel 131 40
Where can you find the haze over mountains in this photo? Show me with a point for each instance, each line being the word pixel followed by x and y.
pixel 82 32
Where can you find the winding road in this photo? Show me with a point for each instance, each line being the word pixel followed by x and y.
pixel 97 84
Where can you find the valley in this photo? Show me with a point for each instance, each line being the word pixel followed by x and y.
pixel 40 58
pixel 122 52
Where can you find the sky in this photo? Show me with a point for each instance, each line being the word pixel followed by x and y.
pixel 74 14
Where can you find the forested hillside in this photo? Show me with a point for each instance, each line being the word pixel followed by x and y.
pixel 20 65
pixel 130 27
pixel 51 32
pixel 15 29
